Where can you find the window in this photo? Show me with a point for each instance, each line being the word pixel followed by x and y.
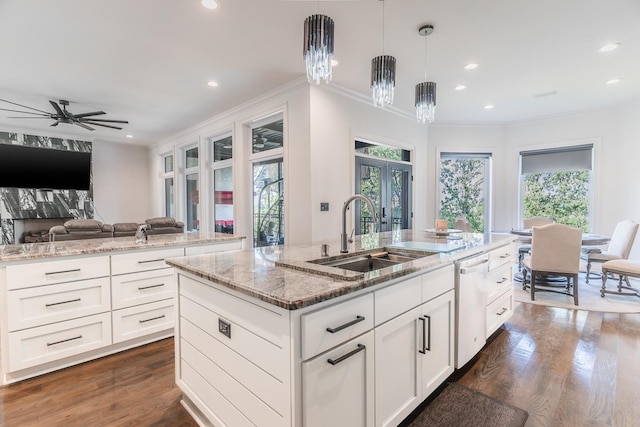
pixel 384 175
pixel 222 175
pixel 557 183
pixel 465 190
pixel 169 188
pixel 192 200
pixel 267 165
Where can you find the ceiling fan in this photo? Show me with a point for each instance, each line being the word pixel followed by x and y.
pixel 61 115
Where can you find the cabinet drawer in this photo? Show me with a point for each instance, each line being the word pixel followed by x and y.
pixel 501 256
pixel 211 248
pixel 333 325
pixel 50 272
pixel 397 298
pixel 499 312
pixel 141 288
pixel 138 321
pixel 437 282
pixel 499 281
pixel 48 343
pixel 143 260
pixel 27 308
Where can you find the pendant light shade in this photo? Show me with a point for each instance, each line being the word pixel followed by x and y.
pixel 317 47
pixel 425 91
pixel 383 80
pixel 426 102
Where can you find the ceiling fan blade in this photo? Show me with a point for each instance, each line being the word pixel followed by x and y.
pixel 54 123
pixel 104 120
pixel 58 109
pixel 27 112
pixel 40 117
pixel 83 125
pixel 98 124
pixel 23 106
pixel 95 113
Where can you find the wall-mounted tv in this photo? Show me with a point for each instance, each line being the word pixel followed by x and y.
pixel 23 166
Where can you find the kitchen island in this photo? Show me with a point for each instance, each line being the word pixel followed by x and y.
pixel 265 337
pixel 63 303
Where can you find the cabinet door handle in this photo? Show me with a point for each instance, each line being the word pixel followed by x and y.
pixel 507 255
pixel 153 318
pixel 142 288
pixel 504 279
pixel 504 310
pixel 75 270
pixel 358 319
pixel 61 341
pixel 62 302
pixel 150 260
pixel 348 355
pixel 426 334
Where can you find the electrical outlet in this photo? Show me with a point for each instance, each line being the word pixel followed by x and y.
pixel 224 327
pixel 324 206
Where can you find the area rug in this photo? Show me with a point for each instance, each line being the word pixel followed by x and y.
pixel 589 298
pixel 460 406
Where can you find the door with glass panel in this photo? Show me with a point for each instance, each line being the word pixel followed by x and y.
pixel 388 185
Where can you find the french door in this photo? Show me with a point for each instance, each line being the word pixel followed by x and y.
pixel 388 185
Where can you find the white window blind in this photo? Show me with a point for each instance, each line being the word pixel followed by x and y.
pixel 579 157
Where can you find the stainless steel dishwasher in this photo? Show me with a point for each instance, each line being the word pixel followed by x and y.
pixel 471 304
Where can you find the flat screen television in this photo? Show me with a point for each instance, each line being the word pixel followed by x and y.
pixel 23 166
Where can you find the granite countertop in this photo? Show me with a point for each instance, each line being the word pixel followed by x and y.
pixel 281 276
pixel 30 251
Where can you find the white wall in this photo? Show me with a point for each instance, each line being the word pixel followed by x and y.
pixel 121 186
pixel 337 119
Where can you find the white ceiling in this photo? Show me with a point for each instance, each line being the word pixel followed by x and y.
pixel 149 61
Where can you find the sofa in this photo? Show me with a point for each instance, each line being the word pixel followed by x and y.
pixel 76 229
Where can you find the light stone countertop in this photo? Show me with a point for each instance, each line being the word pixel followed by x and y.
pixel 276 274
pixel 31 251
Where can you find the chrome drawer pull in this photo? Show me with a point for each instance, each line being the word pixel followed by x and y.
pixel 75 270
pixel 63 341
pixel 504 279
pixel 507 255
pixel 153 318
pixel 504 310
pixel 358 319
pixel 150 286
pixel 151 260
pixel 346 356
pixel 63 302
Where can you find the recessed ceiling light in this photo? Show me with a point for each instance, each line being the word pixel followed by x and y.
pixel 460 87
pixel 612 81
pixel 213 84
pixel 334 63
pixel 210 4
pixel 129 136
pixel 471 66
pixel 609 47
pixel 488 107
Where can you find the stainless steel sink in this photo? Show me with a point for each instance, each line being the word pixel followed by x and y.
pixel 367 262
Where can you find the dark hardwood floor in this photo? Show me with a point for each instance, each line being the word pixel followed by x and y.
pixel 565 367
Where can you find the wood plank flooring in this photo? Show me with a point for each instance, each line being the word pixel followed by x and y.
pixel 565 367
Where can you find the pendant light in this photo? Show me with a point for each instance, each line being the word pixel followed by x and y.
pixel 425 91
pixel 317 48
pixel 383 75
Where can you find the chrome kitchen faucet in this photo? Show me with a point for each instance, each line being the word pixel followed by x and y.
pixel 343 237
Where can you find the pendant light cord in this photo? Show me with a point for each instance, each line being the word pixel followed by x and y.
pixel 425 58
pixel 382 27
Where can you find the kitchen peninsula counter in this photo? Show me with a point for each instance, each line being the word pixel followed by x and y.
pixel 275 274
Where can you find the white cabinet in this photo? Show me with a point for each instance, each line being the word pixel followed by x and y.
pixel 415 350
pixel 499 289
pixel 338 386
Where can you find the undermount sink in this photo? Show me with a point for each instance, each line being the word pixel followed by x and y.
pixel 367 262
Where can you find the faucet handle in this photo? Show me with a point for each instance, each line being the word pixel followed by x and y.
pixel 351 235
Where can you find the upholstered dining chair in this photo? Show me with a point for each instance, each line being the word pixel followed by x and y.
pixel 555 252
pixel 525 247
pixel 619 246
pixel 462 224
